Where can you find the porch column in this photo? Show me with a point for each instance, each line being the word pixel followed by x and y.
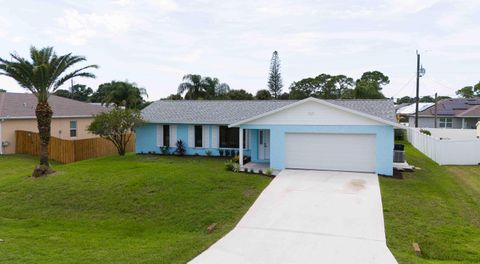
pixel 240 147
pixel 463 123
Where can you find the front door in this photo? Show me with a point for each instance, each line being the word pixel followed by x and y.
pixel 264 144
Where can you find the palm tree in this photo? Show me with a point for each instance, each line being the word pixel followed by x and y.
pixel 43 75
pixel 194 85
pixel 124 94
pixel 214 88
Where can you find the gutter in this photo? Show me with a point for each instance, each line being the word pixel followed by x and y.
pixel 34 117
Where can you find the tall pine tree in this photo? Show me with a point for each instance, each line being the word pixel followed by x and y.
pixel 275 79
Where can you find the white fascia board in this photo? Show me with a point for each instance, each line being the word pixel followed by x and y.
pixel 375 118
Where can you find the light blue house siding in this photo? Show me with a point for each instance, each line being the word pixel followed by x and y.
pixel 384 141
pixel 146 140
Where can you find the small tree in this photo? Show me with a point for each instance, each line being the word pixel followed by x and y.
pixel 117 126
pixel 275 79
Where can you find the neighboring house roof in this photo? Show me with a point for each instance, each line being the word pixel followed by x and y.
pixel 410 109
pixel 22 105
pixel 232 111
pixel 455 107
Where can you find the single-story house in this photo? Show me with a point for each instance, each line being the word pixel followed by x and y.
pixel 451 113
pixel 348 135
pixel 70 118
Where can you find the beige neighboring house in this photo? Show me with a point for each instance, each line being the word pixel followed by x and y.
pixel 70 118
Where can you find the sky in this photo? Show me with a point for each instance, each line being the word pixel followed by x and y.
pixel 155 42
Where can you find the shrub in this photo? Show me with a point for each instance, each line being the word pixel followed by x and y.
pixel 237 153
pixel 180 148
pixel 426 132
pixel 229 165
pixel 227 152
pixel 236 167
pixel 268 172
pixel 236 159
pixel 399 134
pixel 208 153
pixel 164 150
pixel 252 171
pixel 260 171
pixel 221 152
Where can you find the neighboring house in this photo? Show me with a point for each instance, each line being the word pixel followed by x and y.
pixel 405 111
pixel 349 135
pixel 70 118
pixel 451 113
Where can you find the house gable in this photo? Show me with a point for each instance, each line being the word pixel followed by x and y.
pixel 314 112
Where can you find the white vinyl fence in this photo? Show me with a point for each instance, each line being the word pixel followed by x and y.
pixel 446 152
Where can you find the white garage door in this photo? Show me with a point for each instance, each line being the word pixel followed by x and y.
pixel 343 152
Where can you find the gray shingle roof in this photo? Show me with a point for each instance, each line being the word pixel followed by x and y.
pixel 232 111
pixel 22 105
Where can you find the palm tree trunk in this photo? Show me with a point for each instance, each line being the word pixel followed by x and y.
pixel 44 119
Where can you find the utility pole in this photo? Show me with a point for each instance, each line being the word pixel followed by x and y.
pixel 418 89
pixel 435 119
pixel 420 73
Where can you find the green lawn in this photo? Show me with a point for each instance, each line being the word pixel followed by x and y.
pixel 436 206
pixel 133 209
pixel 150 209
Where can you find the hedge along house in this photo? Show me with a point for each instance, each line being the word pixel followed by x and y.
pixel 345 135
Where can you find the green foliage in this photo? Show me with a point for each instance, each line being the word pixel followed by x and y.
pixel 236 167
pixel 406 100
pixel 263 95
pixel 125 94
pixel 173 97
pixel 165 150
pixel 426 132
pixel 469 91
pixel 46 71
pixel 131 209
pixel 370 85
pixel 180 148
pixel 426 99
pixel 275 84
pixel 229 165
pixel 209 153
pixel 323 86
pixel 116 126
pixel 197 87
pixel 221 152
pixel 239 95
pixel 3 91
pixel 236 159
pixel 79 92
pixel 269 171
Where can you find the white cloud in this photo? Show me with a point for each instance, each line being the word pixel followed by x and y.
pixel 77 28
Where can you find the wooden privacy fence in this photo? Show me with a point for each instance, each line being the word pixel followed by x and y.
pixel 67 151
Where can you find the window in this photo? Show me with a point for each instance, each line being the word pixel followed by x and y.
pixel 166 135
pixel 445 122
pixel 73 128
pixel 198 136
pixel 229 137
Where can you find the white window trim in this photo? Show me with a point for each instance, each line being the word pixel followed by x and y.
pixel 70 129
pixel 205 136
pixel 443 121
pixel 160 136
pixel 173 135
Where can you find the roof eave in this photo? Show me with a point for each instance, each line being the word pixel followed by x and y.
pixel 381 120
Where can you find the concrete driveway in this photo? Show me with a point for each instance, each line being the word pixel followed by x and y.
pixel 308 216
